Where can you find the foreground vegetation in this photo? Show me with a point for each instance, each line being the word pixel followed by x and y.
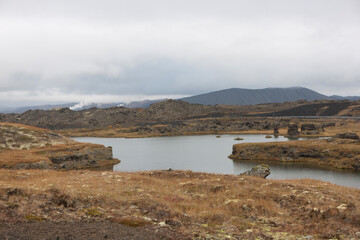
pixel 192 205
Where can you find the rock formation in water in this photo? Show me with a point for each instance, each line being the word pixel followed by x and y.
pixel 293 130
pixel 310 129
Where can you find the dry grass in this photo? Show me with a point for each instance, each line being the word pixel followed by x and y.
pixel 19 136
pixel 196 204
pixel 19 125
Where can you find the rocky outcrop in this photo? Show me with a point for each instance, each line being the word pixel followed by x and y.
pixel 262 171
pixel 276 130
pixel 342 154
pixel 86 157
pixel 66 157
pixel 348 135
pixel 293 130
pixel 310 129
pixel 25 147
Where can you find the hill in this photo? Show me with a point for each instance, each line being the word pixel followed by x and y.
pixel 240 96
pixel 351 98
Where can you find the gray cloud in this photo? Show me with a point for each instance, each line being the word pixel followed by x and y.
pixel 76 50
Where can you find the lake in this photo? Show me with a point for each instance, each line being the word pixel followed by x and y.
pixel 206 153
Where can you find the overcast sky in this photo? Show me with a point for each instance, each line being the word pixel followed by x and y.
pixel 109 50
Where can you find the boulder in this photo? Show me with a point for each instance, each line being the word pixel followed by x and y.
pixel 262 171
pixel 330 124
pixel 293 130
pixel 347 135
pixel 276 131
pixel 310 128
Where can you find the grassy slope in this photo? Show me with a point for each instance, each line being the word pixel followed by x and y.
pixel 195 204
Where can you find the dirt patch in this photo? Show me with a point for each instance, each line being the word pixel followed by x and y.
pixel 81 230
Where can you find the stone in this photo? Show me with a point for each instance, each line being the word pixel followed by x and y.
pixel 293 130
pixel 262 171
pixel 342 208
pixel 217 188
pixel 276 131
pixel 310 128
pixel 347 135
pixel 231 201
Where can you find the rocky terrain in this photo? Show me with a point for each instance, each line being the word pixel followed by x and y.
pixel 173 205
pixel 39 201
pixel 179 116
pixel 27 147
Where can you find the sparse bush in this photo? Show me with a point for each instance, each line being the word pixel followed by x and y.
pixel 93 212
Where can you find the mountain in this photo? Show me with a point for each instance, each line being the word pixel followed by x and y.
pixel 240 96
pixel 351 98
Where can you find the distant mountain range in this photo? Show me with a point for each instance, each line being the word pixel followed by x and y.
pixel 232 96
pixel 80 106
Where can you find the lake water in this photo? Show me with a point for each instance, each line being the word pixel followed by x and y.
pixel 206 153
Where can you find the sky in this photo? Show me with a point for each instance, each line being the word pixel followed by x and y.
pixel 57 51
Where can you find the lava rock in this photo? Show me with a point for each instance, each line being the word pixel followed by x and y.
pixel 310 128
pixel 347 135
pixel 262 171
pixel 293 130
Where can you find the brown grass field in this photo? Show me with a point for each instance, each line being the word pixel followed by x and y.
pixel 195 205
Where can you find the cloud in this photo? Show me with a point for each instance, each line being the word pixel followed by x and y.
pixel 148 48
